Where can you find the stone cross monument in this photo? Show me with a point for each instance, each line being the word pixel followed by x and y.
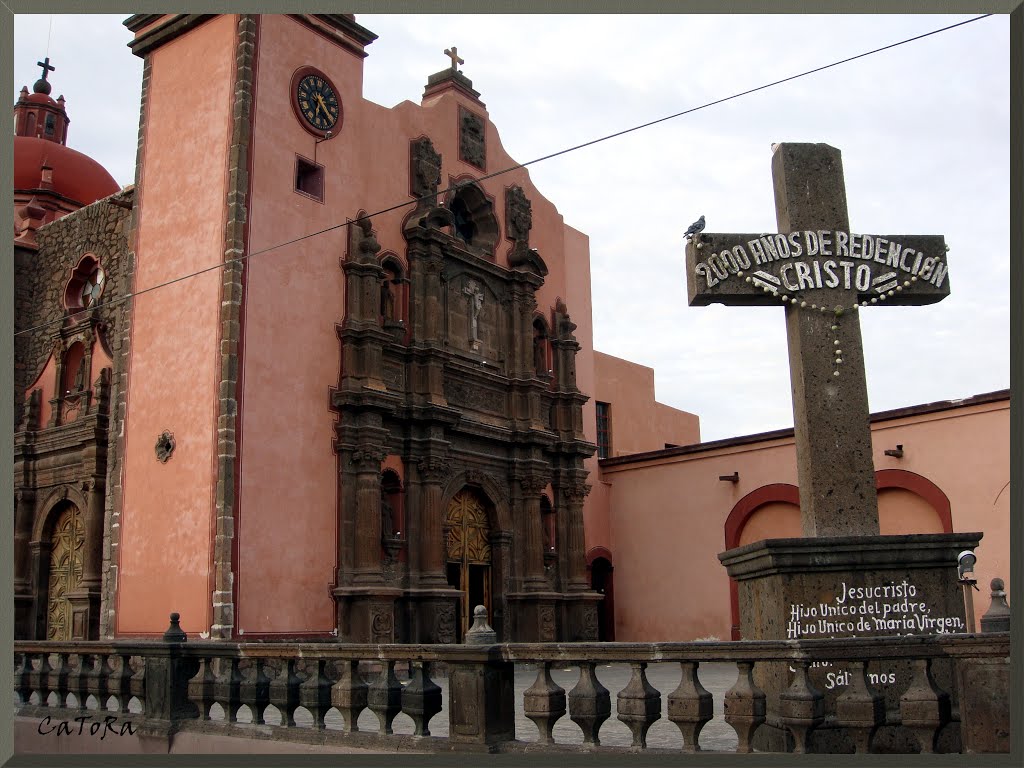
pixel 823 275
pixel 842 577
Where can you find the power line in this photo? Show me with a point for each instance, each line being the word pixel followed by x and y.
pixel 349 222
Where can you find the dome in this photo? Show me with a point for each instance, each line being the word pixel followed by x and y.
pixel 75 176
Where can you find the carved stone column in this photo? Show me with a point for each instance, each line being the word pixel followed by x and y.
pixel 366 563
pixel 530 525
pixel 25 504
pixel 573 495
pixel 433 470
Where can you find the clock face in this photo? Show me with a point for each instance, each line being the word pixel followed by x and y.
pixel 316 102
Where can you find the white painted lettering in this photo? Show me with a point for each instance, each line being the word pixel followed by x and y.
pixel 784 274
pixel 741 256
pixel 794 245
pixel 831 278
pixel 817 273
pixel 880 250
pixel 846 265
pixel 869 247
pixel 716 263
pixel 854 246
pixel 863 278
pixel 825 242
pixel 803 274
pixel 811 240
pixel 758 250
pixel 926 268
pixel 939 275
pixel 907 253
pixel 770 250
pixel 842 238
pixel 782 245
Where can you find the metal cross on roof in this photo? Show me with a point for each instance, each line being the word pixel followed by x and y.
pixel 453 54
pixel 45 64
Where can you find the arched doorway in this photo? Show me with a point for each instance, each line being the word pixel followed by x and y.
pixel 67 546
pixel 600 567
pixel 467 531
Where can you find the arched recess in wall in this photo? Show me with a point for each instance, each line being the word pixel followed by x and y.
pixel 599 568
pixel 908 503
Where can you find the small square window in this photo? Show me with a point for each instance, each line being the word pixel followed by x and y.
pixel 309 178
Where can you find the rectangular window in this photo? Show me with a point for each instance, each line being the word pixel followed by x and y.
pixel 604 430
pixel 309 178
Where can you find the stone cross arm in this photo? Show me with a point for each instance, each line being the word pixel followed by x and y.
pixel 830 268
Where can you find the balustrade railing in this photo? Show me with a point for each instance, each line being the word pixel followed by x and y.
pixel 316 692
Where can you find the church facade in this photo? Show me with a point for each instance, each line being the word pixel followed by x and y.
pixel 353 422
pixel 323 373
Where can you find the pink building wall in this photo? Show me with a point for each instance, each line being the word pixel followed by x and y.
pixel 166 518
pixel 668 511
pixel 639 423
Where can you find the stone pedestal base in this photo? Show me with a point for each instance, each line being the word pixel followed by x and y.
pixel 848 586
pixel 547 617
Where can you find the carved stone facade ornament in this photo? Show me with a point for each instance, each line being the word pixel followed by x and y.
pixel 426 169
pixel 165 446
pixel 471 138
pixel 444 623
pixel 518 215
pixel 457 407
pixel 547 624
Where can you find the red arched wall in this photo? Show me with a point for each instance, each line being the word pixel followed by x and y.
pixel 786 493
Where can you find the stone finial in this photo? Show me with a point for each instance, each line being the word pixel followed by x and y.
pixel 997 617
pixel 174 633
pixel 480 633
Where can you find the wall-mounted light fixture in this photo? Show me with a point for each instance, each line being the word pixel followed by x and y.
pixel 896 453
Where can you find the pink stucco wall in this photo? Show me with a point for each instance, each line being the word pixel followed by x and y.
pixel 166 518
pixel 639 423
pixel 668 513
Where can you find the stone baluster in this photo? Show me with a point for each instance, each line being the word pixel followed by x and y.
pixel 23 679
pixel 421 698
pixel 924 708
pixel 860 709
pixel 544 702
pixel 201 688
pixel 639 705
pixel 744 706
pixel 226 688
pixel 384 696
pixel 78 681
pixel 997 617
pixel 58 679
pixel 801 707
pixel 97 677
pixel 284 691
pixel 315 692
pixel 38 678
pixel 349 694
pixel 120 683
pixel 254 690
pixel 137 684
pixel 690 706
pixel 590 704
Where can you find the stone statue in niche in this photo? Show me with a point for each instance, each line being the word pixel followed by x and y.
pixel 387 300
pixel 539 352
pixel 518 215
pixel 476 303
pixel 387 518
pixel 79 384
pixel 471 138
pixel 426 169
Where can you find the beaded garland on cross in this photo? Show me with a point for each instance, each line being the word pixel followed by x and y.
pixel 793 299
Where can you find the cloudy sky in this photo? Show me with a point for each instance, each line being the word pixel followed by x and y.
pixel 923 128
